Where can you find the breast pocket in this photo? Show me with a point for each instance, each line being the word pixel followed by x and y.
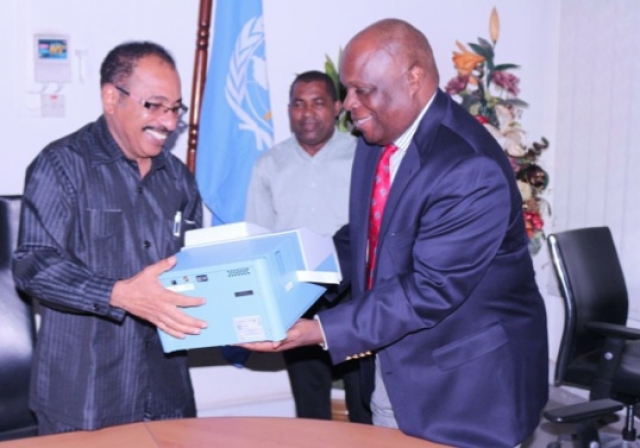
pixel 105 241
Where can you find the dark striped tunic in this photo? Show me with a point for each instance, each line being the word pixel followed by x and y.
pixel 89 219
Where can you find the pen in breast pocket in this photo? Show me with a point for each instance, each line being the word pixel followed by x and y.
pixel 177 222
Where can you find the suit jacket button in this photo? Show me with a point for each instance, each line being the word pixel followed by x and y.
pixel 146 244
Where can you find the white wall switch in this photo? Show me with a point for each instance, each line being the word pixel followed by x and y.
pixel 52 105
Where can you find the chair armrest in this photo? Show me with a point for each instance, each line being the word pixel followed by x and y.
pixel 614 330
pixel 583 411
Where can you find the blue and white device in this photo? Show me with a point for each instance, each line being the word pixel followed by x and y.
pixel 256 284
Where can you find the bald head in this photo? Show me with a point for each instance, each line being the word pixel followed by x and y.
pixel 403 39
pixel 390 76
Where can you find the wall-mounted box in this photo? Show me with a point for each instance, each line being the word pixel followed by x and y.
pixel 52 58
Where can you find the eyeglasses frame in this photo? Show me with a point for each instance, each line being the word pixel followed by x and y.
pixel 177 111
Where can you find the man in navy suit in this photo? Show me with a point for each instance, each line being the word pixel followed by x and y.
pixel 452 319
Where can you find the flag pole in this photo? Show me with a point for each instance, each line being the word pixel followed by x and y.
pixel 199 77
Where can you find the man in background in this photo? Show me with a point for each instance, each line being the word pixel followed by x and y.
pixel 304 182
pixel 444 300
pixel 103 209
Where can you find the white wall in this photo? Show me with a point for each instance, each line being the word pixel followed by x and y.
pixel 598 128
pixel 299 34
pixel 94 28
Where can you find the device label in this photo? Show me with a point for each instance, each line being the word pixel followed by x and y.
pixel 249 328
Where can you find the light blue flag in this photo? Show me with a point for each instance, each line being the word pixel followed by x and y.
pixel 235 118
pixel 235 121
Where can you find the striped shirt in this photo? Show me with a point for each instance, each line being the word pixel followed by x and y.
pixel 89 219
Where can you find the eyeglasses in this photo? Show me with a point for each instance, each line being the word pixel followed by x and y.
pixel 155 108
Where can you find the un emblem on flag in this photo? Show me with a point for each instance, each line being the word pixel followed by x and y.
pixel 247 88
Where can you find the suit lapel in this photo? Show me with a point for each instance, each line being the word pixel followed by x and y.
pixel 362 180
pixel 408 168
pixel 361 186
pixel 415 157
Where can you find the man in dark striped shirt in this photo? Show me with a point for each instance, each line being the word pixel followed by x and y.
pixel 104 210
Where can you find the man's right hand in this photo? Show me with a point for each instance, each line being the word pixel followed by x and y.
pixel 144 296
pixel 302 332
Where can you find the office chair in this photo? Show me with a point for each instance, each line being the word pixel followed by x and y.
pixel 17 334
pixel 597 351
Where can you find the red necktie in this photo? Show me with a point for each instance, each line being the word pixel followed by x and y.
pixel 379 196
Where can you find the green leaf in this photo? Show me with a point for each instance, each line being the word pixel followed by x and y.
pixel 485 44
pixel 515 102
pixel 330 70
pixel 468 101
pixel 344 122
pixel 486 53
pixel 505 67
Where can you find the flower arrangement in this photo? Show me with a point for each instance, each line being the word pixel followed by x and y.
pixel 489 92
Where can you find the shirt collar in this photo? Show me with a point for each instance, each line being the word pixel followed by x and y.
pixel 107 149
pixel 323 151
pixel 404 140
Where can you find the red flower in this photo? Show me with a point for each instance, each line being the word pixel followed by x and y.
pixel 533 223
pixel 482 119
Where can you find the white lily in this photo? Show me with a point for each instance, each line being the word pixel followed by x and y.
pixel 525 190
pixel 510 135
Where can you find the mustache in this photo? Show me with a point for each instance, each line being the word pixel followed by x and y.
pixel 161 129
